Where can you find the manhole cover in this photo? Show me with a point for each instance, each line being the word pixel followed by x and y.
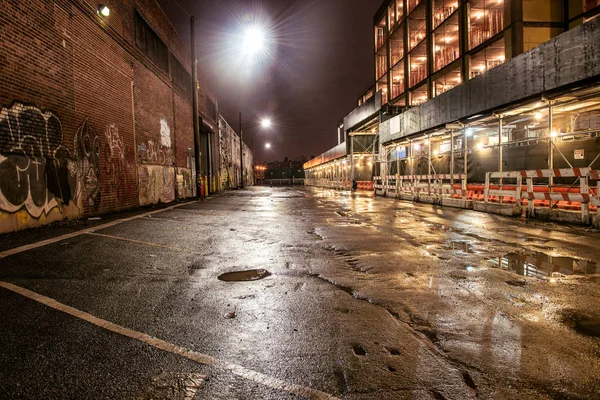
pixel 240 276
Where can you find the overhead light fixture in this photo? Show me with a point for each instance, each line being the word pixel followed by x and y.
pixel 103 10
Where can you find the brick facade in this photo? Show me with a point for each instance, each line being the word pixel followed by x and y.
pixel 89 123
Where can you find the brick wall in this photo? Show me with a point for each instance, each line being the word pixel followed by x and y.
pixel 87 120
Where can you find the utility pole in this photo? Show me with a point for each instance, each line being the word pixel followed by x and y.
pixel 195 105
pixel 241 154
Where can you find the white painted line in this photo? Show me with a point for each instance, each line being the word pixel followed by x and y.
pixel 135 241
pixel 46 242
pixel 160 344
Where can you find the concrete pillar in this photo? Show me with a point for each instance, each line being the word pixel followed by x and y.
pixel 465 149
pixel 550 147
pixel 352 166
pixel 452 155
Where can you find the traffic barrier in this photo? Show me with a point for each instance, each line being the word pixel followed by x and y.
pixel 429 185
pixel 339 183
pixel 583 198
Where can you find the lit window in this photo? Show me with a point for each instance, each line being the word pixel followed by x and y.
pixel 488 58
pixel 486 19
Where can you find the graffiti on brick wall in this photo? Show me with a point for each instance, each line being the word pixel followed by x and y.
pixel 114 142
pixel 156 184
pixel 118 166
pixel 87 155
pixel 184 183
pixel 37 172
pixel 154 153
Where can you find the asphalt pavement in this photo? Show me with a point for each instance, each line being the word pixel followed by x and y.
pixel 337 295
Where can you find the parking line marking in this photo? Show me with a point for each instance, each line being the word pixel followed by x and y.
pixel 46 242
pixel 163 345
pixel 134 241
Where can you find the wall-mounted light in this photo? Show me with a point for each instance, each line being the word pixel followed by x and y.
pixel 103 10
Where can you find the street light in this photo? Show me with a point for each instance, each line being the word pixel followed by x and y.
pixel 267 145
pixel 266 123
pixel 254 40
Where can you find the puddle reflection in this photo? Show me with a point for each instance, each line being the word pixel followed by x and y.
pixel 540 265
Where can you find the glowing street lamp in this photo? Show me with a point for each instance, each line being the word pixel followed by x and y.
pixel 267 145
pixel 254 40
pixel 266 123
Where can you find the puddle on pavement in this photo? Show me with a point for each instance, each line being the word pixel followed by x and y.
pixel 177 386
pixel 540 265
pixel 582 324
pixel 242 276
pixel 458 245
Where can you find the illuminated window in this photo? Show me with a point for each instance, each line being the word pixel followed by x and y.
pixel 392 16
pixel 418 64
pixel 397 46
pixel 397 79
pixel 488 58
pixel 418 95
pixel 486 19
pixel 380 63
pixel 445 42
pixel 382 85
pixel 442 9
pixel 399 9
pixel 380 34
pixel 446 81
pixel 417 28
pixel 412 4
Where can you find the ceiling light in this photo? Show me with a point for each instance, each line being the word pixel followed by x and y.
pixel 103 10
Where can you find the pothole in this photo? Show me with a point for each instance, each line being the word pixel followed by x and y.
pixel 540 265
pixel 358 350
pixel 242 276
pixel 583 324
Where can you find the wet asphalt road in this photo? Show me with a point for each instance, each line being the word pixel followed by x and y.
pixel 367 299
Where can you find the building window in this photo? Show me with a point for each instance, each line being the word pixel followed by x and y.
pixel 148 41
pixel 399 10
pixel 446 81
pixel 417 28
pixel 397 46
pixel 382 85
pixel 392 16
pixel 397 79
pixel 418 96
pixel 445 42
pixel 211 108
pixel 380 63
pixel 181 77
pixel 380 34
pixel 418 65
pixel 412 4
pixel 488 58
pixel 486 19
pixel 442 9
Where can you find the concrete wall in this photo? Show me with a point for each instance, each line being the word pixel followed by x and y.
pixel 566 59
pixel 88 123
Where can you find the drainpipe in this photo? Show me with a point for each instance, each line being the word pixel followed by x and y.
pixel 195 104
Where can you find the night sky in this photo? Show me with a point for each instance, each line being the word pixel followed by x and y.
pixel 318 62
